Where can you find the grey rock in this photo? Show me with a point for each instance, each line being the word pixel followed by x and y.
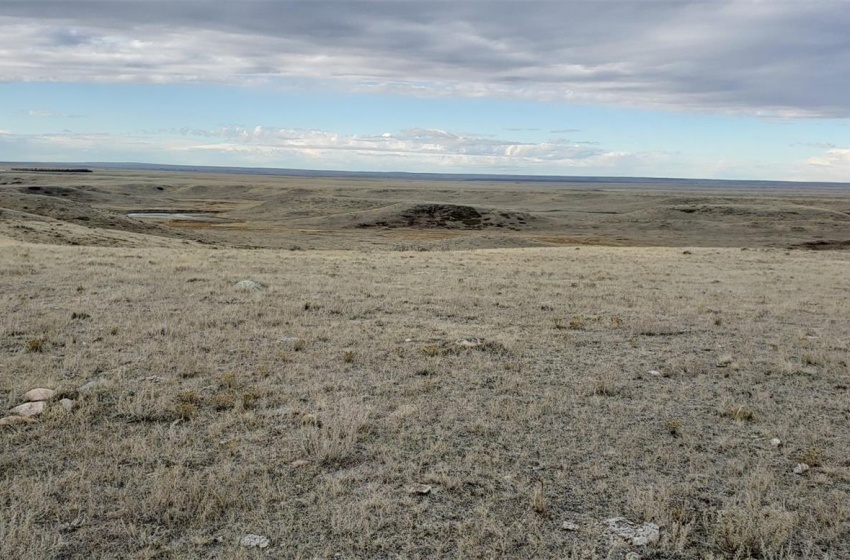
pixel 40 394
pixel 67 404
pixel 89 386
pixel 634 534
pixel 29 409
pixel 420 489
pixel 470 342
pixel 254 541
pixel 249 286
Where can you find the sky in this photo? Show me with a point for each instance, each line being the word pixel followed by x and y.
pixel 739 89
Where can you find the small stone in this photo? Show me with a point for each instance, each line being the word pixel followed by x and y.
pixel 776 442
pixel 254 541
pixel 654 372
pixel 67 404
pixel 89 386
pixel 801 468
pixel 637 535
pixel 249 286
pixel 40 394
pixel 29 409
pixel 299 463
pixel 470 342
pixel 569 526
pixel 725 361
pixel 420 489
pixel 15 420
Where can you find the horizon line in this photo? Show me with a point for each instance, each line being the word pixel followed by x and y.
pixel 287 171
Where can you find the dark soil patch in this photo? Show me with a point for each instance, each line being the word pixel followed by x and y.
pixel 823 245
pixel 449 216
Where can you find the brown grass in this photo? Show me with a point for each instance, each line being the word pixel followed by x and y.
pixel 207 395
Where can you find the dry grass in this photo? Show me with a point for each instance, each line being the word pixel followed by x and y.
pixel 306 411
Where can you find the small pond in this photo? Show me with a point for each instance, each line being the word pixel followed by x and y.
pixel 194 216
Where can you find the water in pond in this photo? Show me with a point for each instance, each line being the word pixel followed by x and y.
pixel 198 217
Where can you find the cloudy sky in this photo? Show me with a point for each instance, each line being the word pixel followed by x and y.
pixel 719 89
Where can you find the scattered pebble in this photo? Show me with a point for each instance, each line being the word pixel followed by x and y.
pixel 776 442
pixel 15 420
pixel 89 386
pixel 470 342
pixel 725 361
pixel 654 372
pixel 254 541
pixel 801 468
pixel 40 394
pixel 299 463
pixel 249 286
pixel 569 526
pixel 29 409
pixel 637 535
pixel 421 489
pixel 67 404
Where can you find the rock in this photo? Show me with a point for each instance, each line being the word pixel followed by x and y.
pixel 89 386
pixel 470 342
pixel 249 286
pixel 40 394
pixel 801 468
pixel 420 489
pixel 654 372
pixel 299 463
pixel 67 404
pixel 15 420
pixel 637 535
pixel 776 442
pixel 254 541
pixel 569 526
pixel 29 409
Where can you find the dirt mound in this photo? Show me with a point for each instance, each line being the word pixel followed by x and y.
pixel 783 212
pixel 450 216
pixel 823 245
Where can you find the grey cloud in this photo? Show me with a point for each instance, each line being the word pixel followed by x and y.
pixel 764 58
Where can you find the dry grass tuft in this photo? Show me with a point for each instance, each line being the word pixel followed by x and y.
pixel 35 345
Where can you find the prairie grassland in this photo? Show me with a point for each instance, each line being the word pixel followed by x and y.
pixel 349 366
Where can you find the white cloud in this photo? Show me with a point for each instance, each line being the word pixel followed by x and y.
pixel 834 158
pixel 769 59
pixel 415 149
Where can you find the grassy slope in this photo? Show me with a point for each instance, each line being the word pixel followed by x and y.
pixel 204 401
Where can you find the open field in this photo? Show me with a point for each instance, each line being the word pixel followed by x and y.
pixel 359 213
pixel 390 402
